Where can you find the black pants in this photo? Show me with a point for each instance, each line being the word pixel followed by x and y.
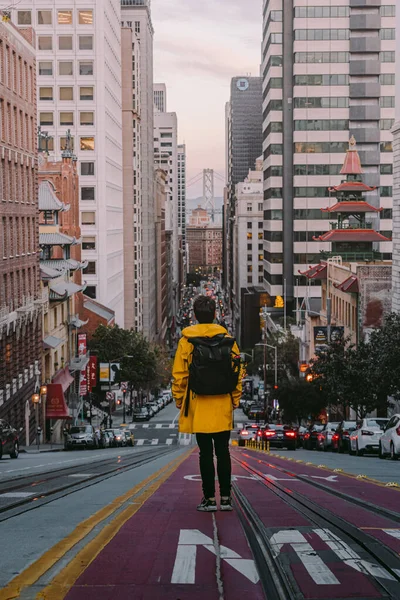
pixel 207 470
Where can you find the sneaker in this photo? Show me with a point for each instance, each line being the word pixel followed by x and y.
pixel 207 505
pixel 226 504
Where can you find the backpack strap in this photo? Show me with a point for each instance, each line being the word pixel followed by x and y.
pixel 187 400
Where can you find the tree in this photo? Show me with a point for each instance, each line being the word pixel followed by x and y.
pixel 299 400
pixel 110 343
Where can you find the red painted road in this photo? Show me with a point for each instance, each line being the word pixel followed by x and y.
pixel 166 550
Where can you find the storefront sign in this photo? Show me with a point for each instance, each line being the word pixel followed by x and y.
pixel 82 344
pixel 321 335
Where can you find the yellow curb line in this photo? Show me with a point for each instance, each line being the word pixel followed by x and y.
pixel 36 570
pixel 65 579
pixel 337 471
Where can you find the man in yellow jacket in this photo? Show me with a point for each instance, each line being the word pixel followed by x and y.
pixel 210 417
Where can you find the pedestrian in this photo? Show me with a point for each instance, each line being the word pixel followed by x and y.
pixel 207 386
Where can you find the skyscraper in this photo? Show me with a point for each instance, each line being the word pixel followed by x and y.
pixel 396 185
pixel 136 14
pixel 328 74
pixel 182 207
pixel 79 89
pixel 244 146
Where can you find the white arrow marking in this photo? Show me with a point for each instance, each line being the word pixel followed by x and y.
pixel 273 478
pixel 169 441
pixel 185 561
pixel 316 568
pixel 330 478
pixel 393 532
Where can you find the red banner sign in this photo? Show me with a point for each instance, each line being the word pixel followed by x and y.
pixel 56 407
pixel 83 386
pixel 82 344
pixel 91 373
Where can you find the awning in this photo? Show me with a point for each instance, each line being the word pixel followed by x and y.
pixel 64 290
pixel 64 378
pixel 56 407
pixel 78 363
pixel 51 341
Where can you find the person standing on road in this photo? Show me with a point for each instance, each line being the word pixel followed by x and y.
pixel 207 386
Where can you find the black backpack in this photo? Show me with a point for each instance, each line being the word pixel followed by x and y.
pixel 215 369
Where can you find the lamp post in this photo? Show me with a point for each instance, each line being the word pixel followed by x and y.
pixel 275 348
pixel 43 397
pixel 35 401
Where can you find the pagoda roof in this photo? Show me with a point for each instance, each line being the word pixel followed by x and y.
pixel 57 239
pixel 352 186
pixel 352 235
pixel 317 272
pixel 64 289
pixel 62 265
pixel 349 285
pixel 48 199
pixel 352 162
pixel 352 207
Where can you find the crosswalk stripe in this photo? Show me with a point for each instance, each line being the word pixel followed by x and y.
pixel 159 426
pixel 140 442
pixel 154 442
pixel 169 441
pixel 145 426
pixel 172 426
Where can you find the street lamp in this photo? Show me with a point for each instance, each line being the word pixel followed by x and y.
pixel 36 401
pixel 275 348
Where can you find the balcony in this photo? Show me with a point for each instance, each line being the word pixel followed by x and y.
pixel 365 113
pixel 352 226
pixel 368 89
pixel 365 67
pixel 365 22
pixel 365 44
pixel 354 256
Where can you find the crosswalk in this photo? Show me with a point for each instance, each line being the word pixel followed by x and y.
pixel 153 426
pixel 155 442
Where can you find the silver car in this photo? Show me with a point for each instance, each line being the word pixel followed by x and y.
pixel 324 439
pixel 81 436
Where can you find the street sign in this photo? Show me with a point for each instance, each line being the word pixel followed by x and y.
pixel 110 396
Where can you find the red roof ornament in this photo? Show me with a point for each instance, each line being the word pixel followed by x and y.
pixel 349 285
pixel 352 186
pixel 351 235
pixel 351 208
pixel 352 163
pixel 317 272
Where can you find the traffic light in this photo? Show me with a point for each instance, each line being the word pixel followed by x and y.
pixel 118 401
pixel 276 387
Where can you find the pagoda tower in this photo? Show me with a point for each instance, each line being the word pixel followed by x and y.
pixel 352 235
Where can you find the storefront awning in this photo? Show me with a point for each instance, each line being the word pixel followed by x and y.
pixel 64 378
pixel 56 407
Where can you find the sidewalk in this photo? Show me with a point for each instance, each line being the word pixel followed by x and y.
pixel 33 449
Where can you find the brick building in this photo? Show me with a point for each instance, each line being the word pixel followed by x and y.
pixel 20 295
pixel 205 248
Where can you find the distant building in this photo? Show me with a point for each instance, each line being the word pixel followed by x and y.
pixel 182 210
pixel 160 97
pixel 199 217
pixel 205 249
pixel 21 299
pixel 161 253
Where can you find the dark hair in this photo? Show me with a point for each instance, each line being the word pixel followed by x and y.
pixel 204 309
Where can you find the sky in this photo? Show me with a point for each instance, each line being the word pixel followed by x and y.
pixel 199 45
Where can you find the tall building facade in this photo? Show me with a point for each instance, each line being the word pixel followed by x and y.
pixel 136 14
pixel 243 116
pixel 182 209
pixel 20 296
pixel 396 184
pixel 328 74
pixel 79 89
pixel 160 97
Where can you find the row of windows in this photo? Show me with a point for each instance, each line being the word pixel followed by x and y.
pixel 387 101
pixel 318 102
pixel 86 143
pixel 321 125
pixel 320 12
pixel 335 79
pixel 66 67
pixel 250 225
pixel 64 17
pixel 15 73
pixel 17 182
pixel 324 169
pixel 336 57
pixel 312 35
pixel 17 128
pixel 307 214
pixel 18 236
pixel 65 42
pixel 67 118
pixel 66 93
pixel 330 147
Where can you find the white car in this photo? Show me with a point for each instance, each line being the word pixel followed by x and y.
pixel 366 437
pixel 324 440
pixel 389 444
pixel 248 432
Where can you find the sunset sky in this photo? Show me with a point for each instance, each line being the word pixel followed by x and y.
pixel 198 46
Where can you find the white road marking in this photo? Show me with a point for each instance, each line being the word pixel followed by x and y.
pixel 139 442
pixel 171 426
pixel 81 475
pixel 350 557
pixel 159 426
pixel 154 442
pixel 17 495
pixel 273 478
pixel 145 425
pixel 234 477
pixel 315 566
pixel 393 532
pixel 185 562
pixel 169 441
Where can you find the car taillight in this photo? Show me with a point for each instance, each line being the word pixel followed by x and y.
pixel 307 435
pixel 244 432
pixel 345 433
pixel 259 432
pixel 290 433
pixel 398 430
pixel 365 432
pixel 269 433
pixel 335 436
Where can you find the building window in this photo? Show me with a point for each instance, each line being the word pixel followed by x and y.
pixel 85 17
pixel 46 68
pixel 249 268
pixel 65 42
pixel 249 235
pixel 260 206
pixel 387 79
pixel 319 12
pixel 323 57
pixel 387 101
pixel 46 118
pixel 46 93
pixel 90 291
pixel 46 144
pixel 91 268
pixel 87 168
pixel 63 143
pixel 386 169
pixel 249 258
pixel 321 34
pixel 24 17
pixel 85 42
pixel 87 143
pixel 137 26
pixel 89 243
pixel 65 67
pixel 86 118
pixel 66 118
pixel 388 34
pixel 44 17
pixel 388 11
pixel 86 93
pixel 86 68
pixel 388 56
pixel 249 279
pixel 249 207
pixel 45 42
pixel 66 93
pixel 249 225
pixel 88 218
pixel 335 79
pixel 318 102
pixel 87 193
pixel 64 17
pixel 249 247
pixel 386 147
pixel 387 124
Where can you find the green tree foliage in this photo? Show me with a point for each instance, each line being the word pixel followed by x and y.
pixel 299 400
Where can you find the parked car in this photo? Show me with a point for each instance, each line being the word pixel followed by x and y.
pixel 366 437
pixel 248 432
pixel 301 431
pixel 151 409
pixel 324 439
pixel 247 406
pixel 256 412
pixel 311 436
pixel 389 444
pixel 107 439
pixel 341 437
pixel 9 443
pixel 280 436
pixel 141 414
pixel 81 436
pixel 155 407
pixel 129 437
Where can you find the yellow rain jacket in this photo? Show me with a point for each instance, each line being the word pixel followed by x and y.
pixel 207 414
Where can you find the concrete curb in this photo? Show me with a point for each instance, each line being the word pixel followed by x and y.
pixel 40 451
